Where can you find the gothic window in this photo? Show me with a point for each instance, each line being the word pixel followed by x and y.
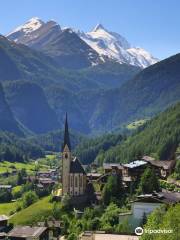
pixel 71 181
pixel 66 156
pixel 76 181
pixel 81 181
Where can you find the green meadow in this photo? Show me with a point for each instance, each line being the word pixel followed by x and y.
pixel 34 213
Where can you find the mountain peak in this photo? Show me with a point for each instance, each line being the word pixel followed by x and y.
pixel 34 19
pixel 99 26
pixel 30 26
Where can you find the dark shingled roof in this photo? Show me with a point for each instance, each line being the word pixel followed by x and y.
pixel 76 166
pixel 165 164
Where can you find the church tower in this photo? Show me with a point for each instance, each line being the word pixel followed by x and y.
pixel 66 159
pixel 73 175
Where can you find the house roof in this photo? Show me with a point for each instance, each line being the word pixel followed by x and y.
pixel 52 223
pixel 147 158
pixel 104 236
pixel 46 181
pixel 6 186
pixel 163 197
pixel 135 164
pixel 3 218
pixel 112 165
pixel 76 166
pixel 26 231
pixel 95 175
pixel 171 197
pixel 165 164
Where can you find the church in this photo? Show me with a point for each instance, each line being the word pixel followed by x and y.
pixel 74 179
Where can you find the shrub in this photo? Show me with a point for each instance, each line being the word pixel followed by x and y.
pixel 29 198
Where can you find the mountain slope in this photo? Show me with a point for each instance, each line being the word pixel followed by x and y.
pixel 25 63
pixel 158 138
pixel 116 47
pixel 64 46
pixel 7 120
pixel 18 149
pixel 149 92
pixel 82 88
pixel 28 64
pixel 30 107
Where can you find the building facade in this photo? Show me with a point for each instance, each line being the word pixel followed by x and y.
pixel 73 175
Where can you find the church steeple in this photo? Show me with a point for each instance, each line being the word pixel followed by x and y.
pixel 66 135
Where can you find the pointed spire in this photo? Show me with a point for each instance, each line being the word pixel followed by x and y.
pixel 66 135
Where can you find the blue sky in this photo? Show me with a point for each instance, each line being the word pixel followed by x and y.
pixel 153 25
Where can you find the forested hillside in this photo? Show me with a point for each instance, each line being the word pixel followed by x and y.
pixel 7 120
pixel 15 149
pixel 52 141
pixel 65 90
pixel 88 149
pixel 159 138
pixel 148 93
pixel 29 105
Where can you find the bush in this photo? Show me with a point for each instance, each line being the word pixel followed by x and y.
pixel 149 182
pixel 5 195
pixel 29 198
pixel 113 190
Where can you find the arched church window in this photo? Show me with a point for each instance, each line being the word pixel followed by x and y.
pixel 76 181
pixel 81 181
pixel 66 156
pixel 71 181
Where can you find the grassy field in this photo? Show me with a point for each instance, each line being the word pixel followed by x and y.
pixel 30 166
pixel 34 213
pixel 42 164
pixel 7 208
pixel 50 160
pixel 134 125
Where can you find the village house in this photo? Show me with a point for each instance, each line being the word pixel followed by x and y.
pixel 93 176
pixel 129 172
pixel 28 233
pixel 51 173
pixel 54 228
pixel 132 171
pixel 112 168
pixel 163 168
pixel 103 236
pixel 6 187
pixel 146 204
pixel 46 182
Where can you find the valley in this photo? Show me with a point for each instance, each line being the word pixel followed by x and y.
pixel 89 136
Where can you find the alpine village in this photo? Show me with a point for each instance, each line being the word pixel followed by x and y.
pixel 89 140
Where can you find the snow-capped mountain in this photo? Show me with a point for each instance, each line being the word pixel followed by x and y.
pixel 33 31
pixel 63 45
pixel 86 48
pixel 31 25
pixel 114 46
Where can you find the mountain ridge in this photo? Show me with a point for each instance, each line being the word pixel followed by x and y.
pixel 101 43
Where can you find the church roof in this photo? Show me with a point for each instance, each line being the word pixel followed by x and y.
pixel 66 135
pixel 76 166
